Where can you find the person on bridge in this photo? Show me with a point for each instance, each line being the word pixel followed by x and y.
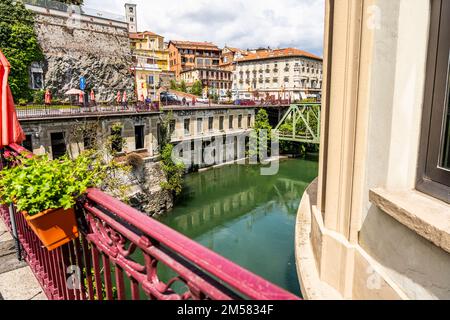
pixel 81 99
pixel 125 100
pixel 118 98
pixel 184 101
pixel 92 97
pixel 193 101
pixel 48 97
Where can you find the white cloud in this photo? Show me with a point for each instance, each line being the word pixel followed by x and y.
pixel 238 23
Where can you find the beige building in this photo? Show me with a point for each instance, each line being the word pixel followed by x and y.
pixel 196 128
pixel 151 62
pixel 376 223
pixel 214 81
pixel 280 74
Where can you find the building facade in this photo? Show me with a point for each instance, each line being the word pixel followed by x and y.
pixel 195 129
pixel 375 224
pixel 278 74
pixel 151 63
pixel 229 56
pixel 185 55
pixel 214 81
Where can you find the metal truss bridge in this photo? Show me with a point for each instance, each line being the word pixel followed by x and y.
pixel 301 123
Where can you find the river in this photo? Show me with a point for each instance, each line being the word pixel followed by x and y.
pixel 246 217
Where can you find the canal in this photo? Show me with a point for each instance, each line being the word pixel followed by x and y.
pixel 246 217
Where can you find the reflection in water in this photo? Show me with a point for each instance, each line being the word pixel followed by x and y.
pixel 246 217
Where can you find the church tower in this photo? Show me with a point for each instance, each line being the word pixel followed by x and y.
pixel 131 15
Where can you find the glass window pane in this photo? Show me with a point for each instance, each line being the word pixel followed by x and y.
pixel 446 140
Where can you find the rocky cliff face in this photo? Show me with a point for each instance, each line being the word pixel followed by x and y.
pixel 100 53
pixel 146 193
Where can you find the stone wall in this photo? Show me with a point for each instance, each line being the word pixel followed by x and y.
pixel 98 51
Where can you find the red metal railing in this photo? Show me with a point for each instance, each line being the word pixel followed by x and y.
pixel 123 254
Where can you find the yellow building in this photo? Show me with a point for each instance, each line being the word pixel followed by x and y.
pixel 151 59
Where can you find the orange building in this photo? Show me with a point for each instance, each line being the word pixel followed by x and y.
pixel 230 55
pixel 185 55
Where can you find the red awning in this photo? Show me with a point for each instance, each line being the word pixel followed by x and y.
pixel 10 129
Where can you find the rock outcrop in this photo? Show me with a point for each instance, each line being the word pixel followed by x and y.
pixel 146 193
pixel 99 52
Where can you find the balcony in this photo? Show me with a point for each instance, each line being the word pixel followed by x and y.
pixel 120 253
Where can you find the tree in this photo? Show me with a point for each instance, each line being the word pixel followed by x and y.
pixel 173 85
pixel 197 88
pixel 261 128
pixel 229 94
pixel 18 42
pixel 182 86
pixel 173 168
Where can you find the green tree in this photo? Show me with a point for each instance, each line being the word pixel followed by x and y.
pixel 229 94
pixel 182 86
pixel 197 88
pixel 174 171
pixel 173 85
pixel 18 42
pixel 261 127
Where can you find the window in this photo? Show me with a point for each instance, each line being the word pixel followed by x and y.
pixel 131 9
pixel 434 157
pixel 240 121
pixel 37 76
pixel 199 125
pixel 139 137
pixel 171 127
pixel 230 122
pixel 131 19
pixel 28 142
pixel 221 119
pixel 210 123
pixel 187 124
pixel 116 139
pixel 58 144
pixel 249 121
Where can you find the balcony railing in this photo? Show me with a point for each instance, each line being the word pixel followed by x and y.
pixel 32 112
pixel 121 254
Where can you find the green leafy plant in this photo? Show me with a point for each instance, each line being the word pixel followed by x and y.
pixel 39 184
pixel 174 171
pixel 261 126
pixel 18 41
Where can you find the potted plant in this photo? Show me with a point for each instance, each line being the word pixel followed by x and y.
pixel 45 192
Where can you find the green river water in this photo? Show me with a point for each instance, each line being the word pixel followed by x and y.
pixel 246 217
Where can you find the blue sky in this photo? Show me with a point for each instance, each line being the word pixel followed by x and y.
pixel 238 23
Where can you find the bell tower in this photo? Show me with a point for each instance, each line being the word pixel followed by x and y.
pixel 131 15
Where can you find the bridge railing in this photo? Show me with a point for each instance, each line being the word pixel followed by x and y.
pixel 123 254
pixel 31 112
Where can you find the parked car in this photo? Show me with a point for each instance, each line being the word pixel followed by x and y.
pixel 202 100
pixel 168 99
pixel 244 102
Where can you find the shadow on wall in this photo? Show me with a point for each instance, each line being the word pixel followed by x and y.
pixel 416 265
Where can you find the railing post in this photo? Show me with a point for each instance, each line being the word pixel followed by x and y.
pixel 12 217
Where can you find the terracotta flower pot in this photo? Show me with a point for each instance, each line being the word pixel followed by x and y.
pixel 54 227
